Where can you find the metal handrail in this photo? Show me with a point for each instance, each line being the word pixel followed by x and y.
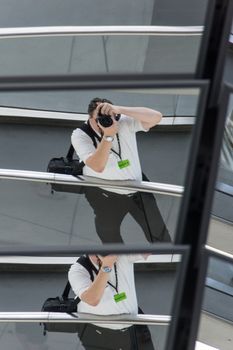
pixel 219 253
pixel 13 112
pixel 143 186
pixel 58 317
pixel 21 32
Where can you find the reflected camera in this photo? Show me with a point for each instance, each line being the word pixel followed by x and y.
pixel 106 120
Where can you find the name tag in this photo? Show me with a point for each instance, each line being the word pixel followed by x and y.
pixel 119 297
pixel 123 163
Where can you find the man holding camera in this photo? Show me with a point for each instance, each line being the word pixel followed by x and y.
pixel 115 157
pixel 111 292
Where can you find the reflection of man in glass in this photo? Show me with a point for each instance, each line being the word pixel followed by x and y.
pixel 112 292
pixel 116 158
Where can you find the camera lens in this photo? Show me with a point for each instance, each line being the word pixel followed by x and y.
pixel 104 120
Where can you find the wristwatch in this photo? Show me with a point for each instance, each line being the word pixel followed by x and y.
pixel 106 269
pixel 108 138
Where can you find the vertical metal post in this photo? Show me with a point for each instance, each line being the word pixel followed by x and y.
pixel 201 176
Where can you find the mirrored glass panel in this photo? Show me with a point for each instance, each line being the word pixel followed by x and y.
pixel 101 54
pixel 32 212
pixel 221 226
pixel 136 287
pixel 216 322
pixel 165 53
pixel 100 12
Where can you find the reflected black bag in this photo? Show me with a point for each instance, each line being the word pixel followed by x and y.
pixel 69 166
pixel 66 304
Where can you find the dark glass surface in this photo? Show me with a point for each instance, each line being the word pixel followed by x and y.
pixel 218 298
pixel 221 229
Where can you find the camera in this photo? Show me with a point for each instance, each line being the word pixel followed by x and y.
pixel 106 120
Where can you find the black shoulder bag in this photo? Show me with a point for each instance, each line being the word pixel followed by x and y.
pixel 70 166
pixel 66 304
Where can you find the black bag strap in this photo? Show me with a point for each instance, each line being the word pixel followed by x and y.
pixel 145 178
pixel 85 261
pixel 90 132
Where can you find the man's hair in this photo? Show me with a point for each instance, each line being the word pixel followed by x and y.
pixel 94 103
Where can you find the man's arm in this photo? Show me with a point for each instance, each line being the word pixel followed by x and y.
pixel 147 116
pixel 94 293
pixel 98 160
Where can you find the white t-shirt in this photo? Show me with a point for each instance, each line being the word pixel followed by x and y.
pixel 80 281
pixel 128 127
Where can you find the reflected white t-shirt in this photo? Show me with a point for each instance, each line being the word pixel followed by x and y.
pixel 80 281
pixel 128 127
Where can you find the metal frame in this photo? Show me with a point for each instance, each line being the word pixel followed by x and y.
pixel 98 82
pixel 64 250
pixel 200 182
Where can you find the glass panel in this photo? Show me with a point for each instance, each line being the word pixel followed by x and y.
pixel 32 214
pixel 59 55
pixel 100 12
pixel 148 284
pixel 99 55
pixel 171 102
pixel 216 326
pixel 221 227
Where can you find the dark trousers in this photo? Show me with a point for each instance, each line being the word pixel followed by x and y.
pixel 111 208
pixel 99 338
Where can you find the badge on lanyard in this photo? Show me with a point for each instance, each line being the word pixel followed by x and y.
pixel 119 297
pixel 123 163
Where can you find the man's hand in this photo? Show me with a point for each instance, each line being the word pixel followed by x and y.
pixel 108 260
pixel 105 108
pixel 108 109
pixel 111 130
pixel 94 293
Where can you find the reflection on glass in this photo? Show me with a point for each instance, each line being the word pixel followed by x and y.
pixel 106 147
pixel 227 154
pixel 111 208
pixel 221 230
pixel 31 214
pixel 217 304
pixel 111 287
pixel 100 54
pixel 221 272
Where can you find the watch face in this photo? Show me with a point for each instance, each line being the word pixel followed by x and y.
pixel 109 138
pixel 106 269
